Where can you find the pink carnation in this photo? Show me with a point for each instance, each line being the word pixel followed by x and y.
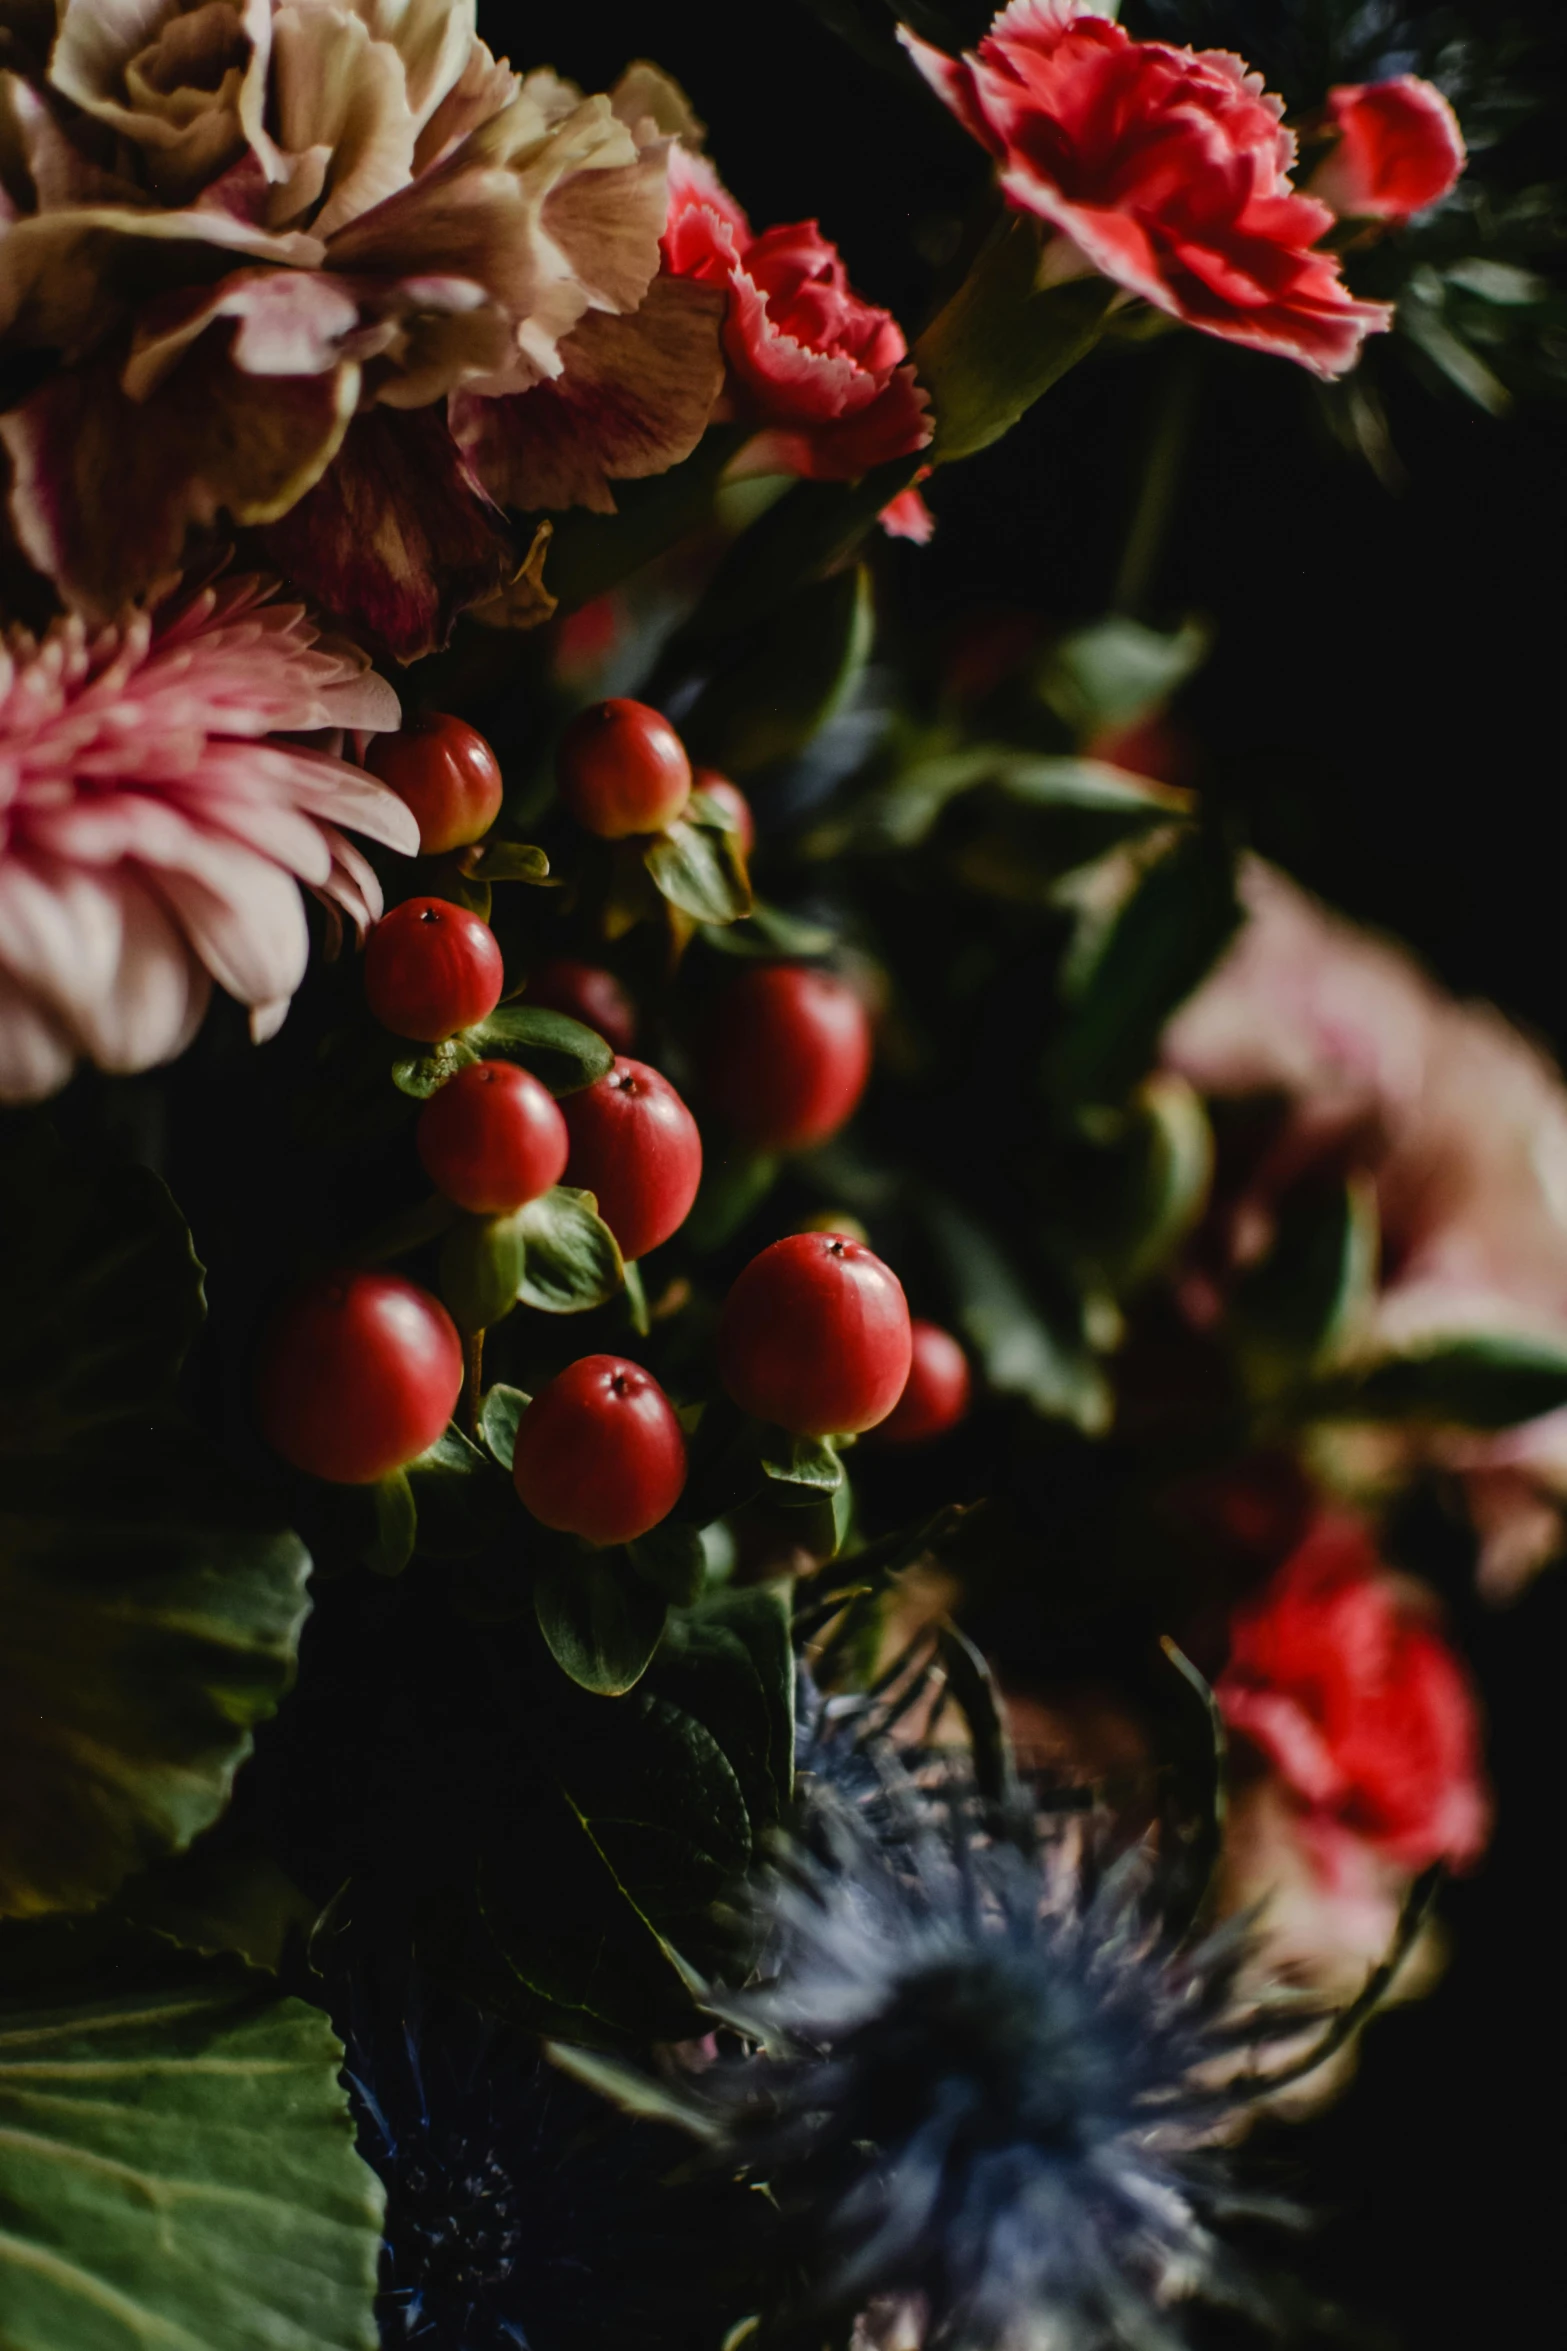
pixel 1399 148
pixel 1165 169
pixel 155 828
pixel 820 371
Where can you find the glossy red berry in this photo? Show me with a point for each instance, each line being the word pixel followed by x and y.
pixel 448 775
pixel 492 1138
pixel 815 1336
pixel 600 1452
pixel 358 1373
pixel 787 1055
pixel 589 994
pixel 731 801
pixel 623 770
pixel 431 968
pixel 636 1147
pixel 936 1396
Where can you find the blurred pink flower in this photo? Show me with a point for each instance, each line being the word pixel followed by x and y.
pixel 1460 1124
pixel 1398 149
pixel 154 826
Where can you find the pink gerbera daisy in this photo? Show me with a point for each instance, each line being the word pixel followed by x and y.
pixel 155 828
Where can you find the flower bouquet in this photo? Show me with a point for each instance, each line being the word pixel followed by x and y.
pixel 738 1377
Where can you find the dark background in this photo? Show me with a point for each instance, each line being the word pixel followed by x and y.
pixel 1383 713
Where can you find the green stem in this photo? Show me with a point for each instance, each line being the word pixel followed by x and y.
pixel 1162 469
pixel 473 1383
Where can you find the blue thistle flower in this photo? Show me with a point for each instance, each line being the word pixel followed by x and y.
pixel 522 2214
pixel 979 2084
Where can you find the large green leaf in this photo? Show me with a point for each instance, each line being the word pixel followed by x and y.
pixel 799 674
pixel 150 1603
pixel 1024 1352
pixel 700 868
pixel 571 1261
pixel 602 1620
pixel 562 1053
pixel 1116 671
pixel 177 2170
pixel 1473 1380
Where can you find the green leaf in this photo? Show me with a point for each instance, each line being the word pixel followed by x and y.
pixel 769 932
pixel 799 1469
pixel 424 1074
pixel 233 1899
pixel 562 1053
pixel 396 1525
pixel 809 535
pixel 572 1260
pixel 481 1269
pixel 633 2091
pixel 1192 1742
pixel 602 1622
pixel 464 1501
pixel 150 1602
pixel 786 686
pixel 1117 671
pixel 1001 341
pixel 1471 1380
pixel 672 1560
pixel 1166 937
pixel 177 2170
pixel 1299 1306
pixel 700 869
pixel 730 1662
pixel 1049 1363
pixel 503 1407
pixel 1053 816
pixel 511 861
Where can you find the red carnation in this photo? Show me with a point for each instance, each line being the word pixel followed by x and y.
pixel 1360 1706
pixel 820 371
pixel 1399 148
pixel 1165 169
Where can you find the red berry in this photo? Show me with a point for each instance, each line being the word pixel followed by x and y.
pixel 358 1373
pixel 492 1138
pixel 623 769
pixel 448 775
pixel 787 1056
pixel 815 1336
pixel 937 1394
pixel 635 1146
pixel 600 1452
pixel 731 802
pixel 431 968
pixel 588 994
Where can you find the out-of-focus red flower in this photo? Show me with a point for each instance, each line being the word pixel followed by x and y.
pixel 1399 148
pixel 1165 169
pixel 821 372
pixel 908 517
pixel 1360 1706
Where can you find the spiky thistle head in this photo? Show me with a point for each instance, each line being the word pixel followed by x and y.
pixel 982 2089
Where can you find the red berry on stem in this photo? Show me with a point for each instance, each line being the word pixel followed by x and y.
pixel 623 770
pixel 358 1373
pixel 787 1056
pixel 589 994
pixel 636 1147
pixel 492 1138
pixel 431 968
pixel 600 1452
pixel 936 1396
pixel 448 775
pixel 815 1336
pixel 731 801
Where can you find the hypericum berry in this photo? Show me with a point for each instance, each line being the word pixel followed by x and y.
pixel 787 1055
pixel 733 802
pixel 622 770
pixel 492 1138
pixel 448 775
pixel 815 1336
pixel 600 1452
pixel 936 1395
pixel 358 1373
pixel 587 993
pixel 636 1147
pixel 431 968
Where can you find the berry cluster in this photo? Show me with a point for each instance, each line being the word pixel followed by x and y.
pixel 361 1371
